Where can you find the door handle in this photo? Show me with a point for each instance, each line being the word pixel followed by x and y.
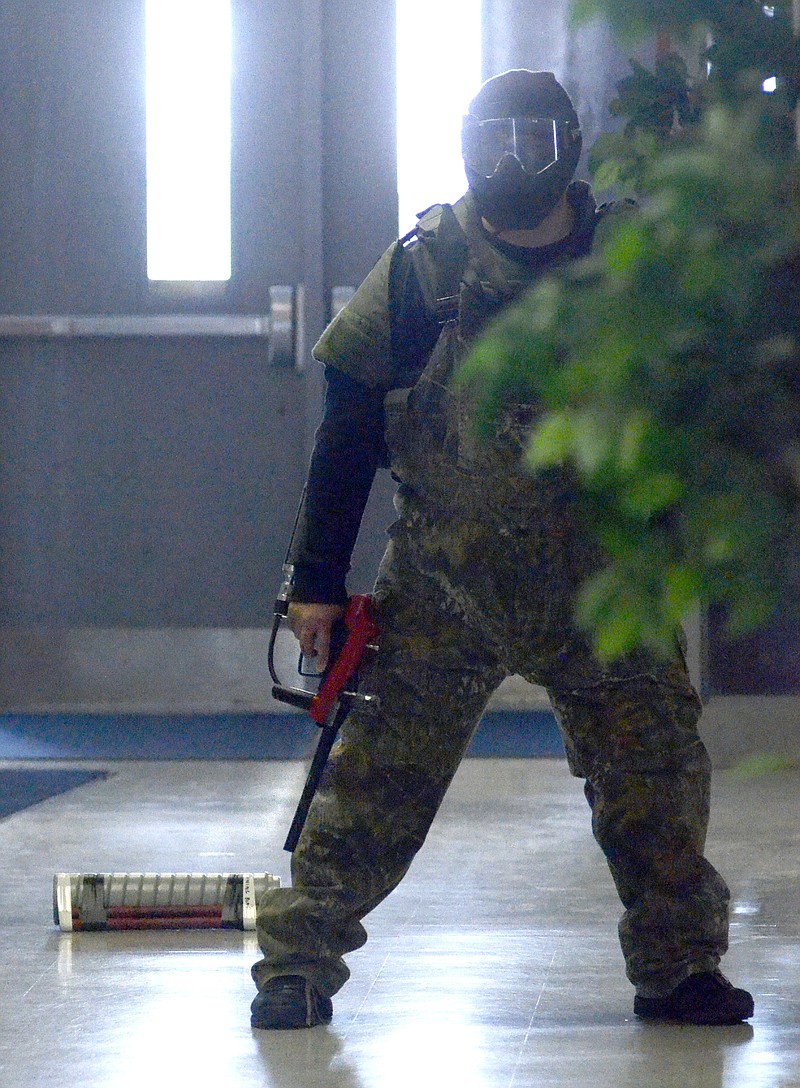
pixel 287 324
pixel 282 326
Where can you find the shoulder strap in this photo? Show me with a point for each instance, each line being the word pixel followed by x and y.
pixel 437 248
pixel 435 254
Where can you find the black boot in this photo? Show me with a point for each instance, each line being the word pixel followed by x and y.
pixel 704 998
pixel 289 1001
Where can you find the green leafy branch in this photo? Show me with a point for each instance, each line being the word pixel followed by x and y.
pixel 660 106
pixel 667 367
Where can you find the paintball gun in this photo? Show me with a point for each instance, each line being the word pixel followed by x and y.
pixel 352 636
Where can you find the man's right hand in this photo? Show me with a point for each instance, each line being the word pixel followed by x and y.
pixel 312 624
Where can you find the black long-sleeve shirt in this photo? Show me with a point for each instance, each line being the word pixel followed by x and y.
pixel 348 450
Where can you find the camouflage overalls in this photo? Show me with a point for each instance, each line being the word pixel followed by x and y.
pixel 477 584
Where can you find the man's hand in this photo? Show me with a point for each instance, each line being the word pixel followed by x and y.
pixel 312 625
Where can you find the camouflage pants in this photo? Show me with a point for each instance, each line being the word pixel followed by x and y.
pixel 461 607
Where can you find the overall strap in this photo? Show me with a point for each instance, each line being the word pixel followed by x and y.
pixel 438 250
pixel 435 254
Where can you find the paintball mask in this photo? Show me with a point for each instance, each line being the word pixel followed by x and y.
pixel 521 143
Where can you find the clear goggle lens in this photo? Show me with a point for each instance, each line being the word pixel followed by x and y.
pixel 535 142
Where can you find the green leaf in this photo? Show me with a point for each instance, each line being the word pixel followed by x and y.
pixel 597 597
pixel 624 246
pixel 606 175
pixel 592 442
pixel 583 11
pixel 683 588
pixel 632 440
pixel 617 635
pixel 552 441
pixel 761 764
pixel 651 494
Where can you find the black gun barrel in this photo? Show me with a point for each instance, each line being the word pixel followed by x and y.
pixel 293 696
pixel 327 737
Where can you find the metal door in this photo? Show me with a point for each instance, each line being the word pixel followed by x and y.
pixel 154 442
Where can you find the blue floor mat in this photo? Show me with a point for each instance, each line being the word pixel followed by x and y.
pixel 520 734
pixel 22 787
pixel 233 736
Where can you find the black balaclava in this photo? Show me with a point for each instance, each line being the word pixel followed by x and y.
pixel 512 199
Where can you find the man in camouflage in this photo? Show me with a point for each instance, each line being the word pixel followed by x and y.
pixel 478 583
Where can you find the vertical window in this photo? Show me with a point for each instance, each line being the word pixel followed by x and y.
pixel 188 60
pixel 438 72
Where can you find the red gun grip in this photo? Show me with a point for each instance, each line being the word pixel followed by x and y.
pixel 362 629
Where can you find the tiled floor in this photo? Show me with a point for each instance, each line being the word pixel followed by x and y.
pixel 495 963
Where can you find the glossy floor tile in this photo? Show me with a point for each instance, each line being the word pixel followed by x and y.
pixel 494 965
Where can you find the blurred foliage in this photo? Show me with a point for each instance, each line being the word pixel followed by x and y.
pixel 660 106
pixel 765 763
pixel 667 365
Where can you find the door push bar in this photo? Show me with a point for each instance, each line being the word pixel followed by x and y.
pixel 282 327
